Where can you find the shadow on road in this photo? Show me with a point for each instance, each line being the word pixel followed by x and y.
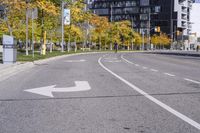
pixel 101 97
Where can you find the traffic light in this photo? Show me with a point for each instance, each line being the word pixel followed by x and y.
pixel 177 32
pixel 157 29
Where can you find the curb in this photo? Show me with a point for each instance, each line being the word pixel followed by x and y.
pixel 20 67
pixel 177 53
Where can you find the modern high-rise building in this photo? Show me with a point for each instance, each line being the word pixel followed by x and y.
pixel 170 15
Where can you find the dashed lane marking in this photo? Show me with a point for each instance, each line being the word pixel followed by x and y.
pixel 144 67
pixel 127 60
pixel 193 81
pixel 168 74
pixel 154 70
pixel 114 61
pixel 151 98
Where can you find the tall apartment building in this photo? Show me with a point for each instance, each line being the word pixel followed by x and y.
pixel 170 15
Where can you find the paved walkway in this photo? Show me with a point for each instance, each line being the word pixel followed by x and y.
pixel 178 52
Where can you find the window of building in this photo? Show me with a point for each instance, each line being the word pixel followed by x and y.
pixel 144 10
pixel 144 2
pixel 102 11
pixel 157 9
pixel 143 17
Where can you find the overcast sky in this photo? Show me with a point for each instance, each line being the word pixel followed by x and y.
pixel 195 18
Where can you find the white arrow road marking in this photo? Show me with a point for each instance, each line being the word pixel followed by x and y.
pixel 48 90
pixel 151 98
pixel 75 60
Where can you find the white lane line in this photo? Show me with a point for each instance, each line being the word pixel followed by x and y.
pixel 116 61
pixel 193 81
pixel 144 67
pixel 110 58
pixel 154 70
pixel 168 74
pixel 161 104
pixel 71 61
pixel 127 60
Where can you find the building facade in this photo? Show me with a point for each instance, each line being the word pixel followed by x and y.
pixel 170 15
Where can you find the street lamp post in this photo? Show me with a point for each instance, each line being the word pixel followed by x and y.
pixel 171 23
pixel 32 33
pixel 86 27
pixel 142 39
pixel 27 15
pixel 149 28
pixel 62 41
pixel 111 19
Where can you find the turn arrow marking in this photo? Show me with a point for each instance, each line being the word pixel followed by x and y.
pixel 48 90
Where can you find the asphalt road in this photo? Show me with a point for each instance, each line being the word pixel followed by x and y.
pixel 130 93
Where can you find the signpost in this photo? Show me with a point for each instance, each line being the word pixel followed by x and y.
pixel 65 21
pixel 34 15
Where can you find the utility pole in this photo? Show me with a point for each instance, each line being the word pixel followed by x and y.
pixel 62 41
pixel 27 15
pixel 142 39
pixel 111 19
pixel 171 23
pixel 32 33
pixel 149 29
pixel 86 28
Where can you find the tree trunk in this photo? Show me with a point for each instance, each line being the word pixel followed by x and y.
pixel 131 45
pixel 100 43
pixel 111 46
pixel 75 49
pixel 51 46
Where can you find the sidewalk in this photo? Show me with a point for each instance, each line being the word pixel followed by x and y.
pixel 177 52
pixel 8 70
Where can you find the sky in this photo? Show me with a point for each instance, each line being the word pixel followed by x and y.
pixel 195 18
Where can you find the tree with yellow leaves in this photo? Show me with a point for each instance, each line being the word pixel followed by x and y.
pixel 126 33
pixel 137 39
pixel 160 40
pixel 14 14
pixel 155 40
pixel 101 26
pixel 165 40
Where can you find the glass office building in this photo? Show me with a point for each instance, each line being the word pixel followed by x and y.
pixel 170 15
